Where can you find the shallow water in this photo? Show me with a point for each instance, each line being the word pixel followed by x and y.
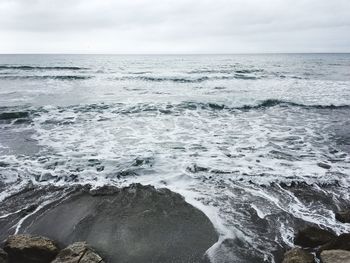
pixel 260 143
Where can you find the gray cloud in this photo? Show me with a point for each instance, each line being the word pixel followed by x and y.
pixel 168 26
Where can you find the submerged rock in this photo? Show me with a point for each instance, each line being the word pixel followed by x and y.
pixel 3 256
pixel 133 224
pixel 343 216
pixel 298 255
pixel 313 237
pixel 335 256
pixel 78 252
pixel 30 249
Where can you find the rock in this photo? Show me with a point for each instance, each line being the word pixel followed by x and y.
pixel 343 216
pixel 30 249
pixel 78 252
pixel 313 237
pixel 324 165
pixel 298 255
pixel 3 256
pixel 340 242
pixel 335 256
pixel 132 224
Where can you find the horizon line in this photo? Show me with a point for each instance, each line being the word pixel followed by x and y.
pixel 177 54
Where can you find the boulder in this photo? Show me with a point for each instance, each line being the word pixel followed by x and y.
pixel 341 242
pixel 298 255
pixel 343 216
pixel 335 256
pixel 30 249
pixel 132 224
pixel 313 237
pixel 3 256
pixel 78 252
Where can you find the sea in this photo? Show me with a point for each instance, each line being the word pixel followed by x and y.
pixel 259 142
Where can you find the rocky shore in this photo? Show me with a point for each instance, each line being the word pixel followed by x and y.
pixel 37 249
pixel 132 224
pixel 314 244
pixel 138 223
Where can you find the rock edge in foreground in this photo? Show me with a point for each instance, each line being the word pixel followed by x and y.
pixel 132 224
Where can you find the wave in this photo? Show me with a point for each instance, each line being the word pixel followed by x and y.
pixel 275 102
pixel 167 109
pixel 189 80
pixel 38 77
pixel 120 108
pixel 14 115
pixel 5 67
pixel 269 103
pixel 162 79
pixel 225 71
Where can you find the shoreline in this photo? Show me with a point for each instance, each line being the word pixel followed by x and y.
pixel 131 224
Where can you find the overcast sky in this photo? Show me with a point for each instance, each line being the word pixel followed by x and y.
pixel 174 26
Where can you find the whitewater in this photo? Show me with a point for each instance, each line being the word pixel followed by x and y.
pixel 259 143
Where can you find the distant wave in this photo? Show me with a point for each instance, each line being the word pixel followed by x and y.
pixel 225 71
pixel 14 115
pixel 189 80
pixel 161 79
pixel 38 77
pixel 120 108
pixel 274 102
pixel 260 105
pixel 3 67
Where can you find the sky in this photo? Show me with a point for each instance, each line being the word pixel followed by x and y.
pixel 174 26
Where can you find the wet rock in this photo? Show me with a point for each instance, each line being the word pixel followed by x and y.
pixel 313 237
pixel 24 203
pixel 340 242
pixel 298 255
pixel 343 216
pixel 78 252
pixel 30 249
pixel 3 256
pixel 132 224
pixel 335 256
pixel 324 165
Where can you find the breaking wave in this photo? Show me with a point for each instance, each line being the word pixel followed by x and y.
pixel 38 77
pixel 6 67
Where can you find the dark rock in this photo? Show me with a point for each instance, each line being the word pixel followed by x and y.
pixel 133 224
pixel 313 237
pixel 343 216
pixel 3 256
pixel 30 249
pixel 78 252
pixel 298 255
pixel 340 242
pixel 324 165
pixel 24 203
pixel 335 256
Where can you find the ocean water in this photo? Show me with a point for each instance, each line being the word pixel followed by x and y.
pixel 260 143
